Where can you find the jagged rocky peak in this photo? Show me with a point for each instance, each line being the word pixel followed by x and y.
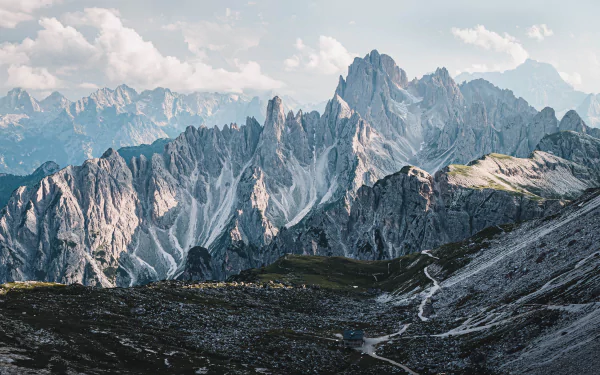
pixel 9 183
pixel 572 121
pixel 482 90
pixel 47 168
pixel 272 142
pixel 123 89
pixel 548 113
pixel 438 89
pixel 275 119
pixel 125 94
pixel 111 152
pixel 338 108
pixel 74 132
pixel 370 68
pixel 55 102
pixel 286 133
pixel 159 93
pixel 19 101
pixel 543 123
pixel 388 65
pixel 371 74
pixel 377 89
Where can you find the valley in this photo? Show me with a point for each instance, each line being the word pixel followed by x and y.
pixel 499 302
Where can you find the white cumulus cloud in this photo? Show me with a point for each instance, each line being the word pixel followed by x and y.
pixel 291 63
pixel 31 78
pixel 573 79
pixel 223 35
pixel 13 12
pixel 55 45
pixel 489 40
pixel 118 54
pixel 331 57
pixel 539 32
pixel 214 36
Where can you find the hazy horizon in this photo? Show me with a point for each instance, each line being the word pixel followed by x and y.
pixel 76 47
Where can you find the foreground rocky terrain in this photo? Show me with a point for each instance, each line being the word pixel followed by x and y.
pixel 513 299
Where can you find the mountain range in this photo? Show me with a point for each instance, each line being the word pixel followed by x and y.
pixel 542 86
pixel 379 174
pixel 68 133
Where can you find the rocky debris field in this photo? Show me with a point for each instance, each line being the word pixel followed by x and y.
pixel 513 299
pixel 185 328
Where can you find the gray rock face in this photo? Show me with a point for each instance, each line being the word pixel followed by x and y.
pixel 573 122
pixel 303 182
pixel 198 265
pixel 9 183
pixel 485 120
pixel 580 148
pixel 432 122
pixel 412 211
pixel 19 101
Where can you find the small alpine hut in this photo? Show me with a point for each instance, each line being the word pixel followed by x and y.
pixel 354 338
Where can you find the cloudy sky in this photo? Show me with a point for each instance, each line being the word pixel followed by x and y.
pixel 296 48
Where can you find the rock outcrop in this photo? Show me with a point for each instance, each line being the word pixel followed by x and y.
pixel 582 149
pixel 9 182
pixel 198 265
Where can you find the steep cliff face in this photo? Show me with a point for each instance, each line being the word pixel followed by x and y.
pixel 432 122
pixel 108 223
pixel 577 147
pixel 9 182
pixel 486 120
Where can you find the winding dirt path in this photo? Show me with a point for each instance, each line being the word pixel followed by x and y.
pixel 369 347
pixel 432 291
